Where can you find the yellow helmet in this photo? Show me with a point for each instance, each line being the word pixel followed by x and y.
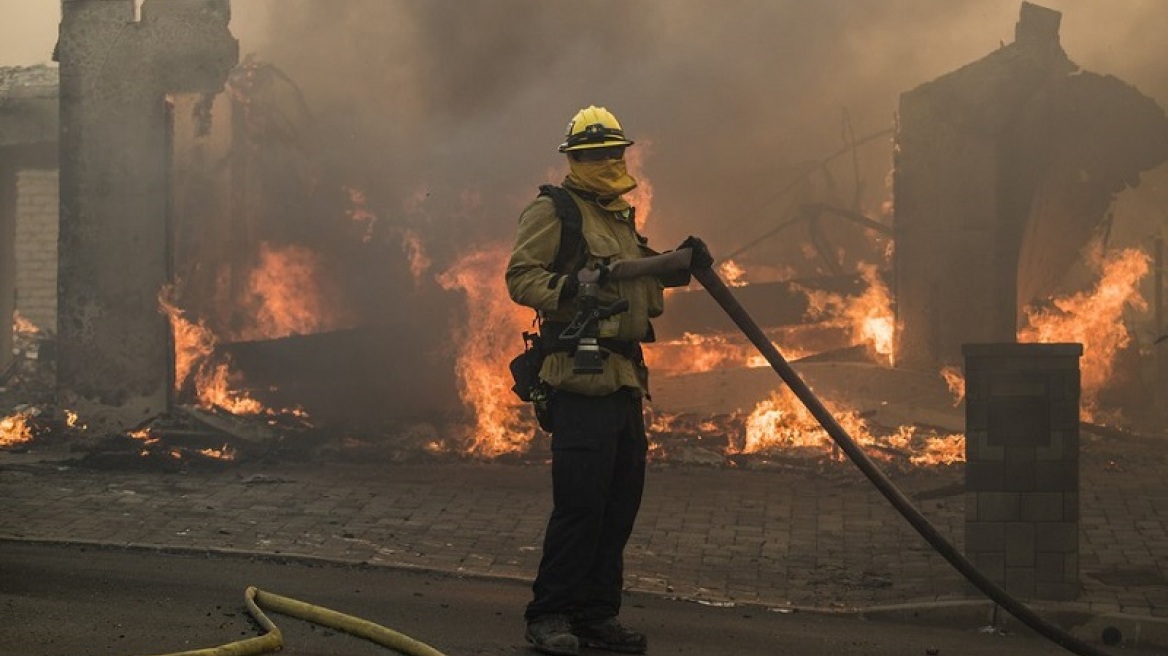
pixel 593 127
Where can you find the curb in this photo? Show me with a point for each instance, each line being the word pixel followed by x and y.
pixel 1110 630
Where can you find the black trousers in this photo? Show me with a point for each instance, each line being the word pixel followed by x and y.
pixel 598 474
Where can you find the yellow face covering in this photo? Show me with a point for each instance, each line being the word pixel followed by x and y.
pixel 607 179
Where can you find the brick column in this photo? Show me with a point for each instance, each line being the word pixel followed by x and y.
pixel 1022 466
pixel 36 247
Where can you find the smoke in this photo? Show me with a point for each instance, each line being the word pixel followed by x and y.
pixel 462 104
pixel 450 101
pixel 28 31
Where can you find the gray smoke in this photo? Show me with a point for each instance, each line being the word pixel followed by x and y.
pixel 462 103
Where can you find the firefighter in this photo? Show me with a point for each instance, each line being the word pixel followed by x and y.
pixel 598 433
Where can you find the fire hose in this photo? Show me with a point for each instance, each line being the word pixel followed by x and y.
pixel 273 640
pixel 672 261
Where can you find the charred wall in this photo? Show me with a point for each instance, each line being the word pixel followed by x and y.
pixel 1004 170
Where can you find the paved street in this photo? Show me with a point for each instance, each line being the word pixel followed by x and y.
pixel 813 538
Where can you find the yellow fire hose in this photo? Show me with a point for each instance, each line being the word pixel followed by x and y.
pixel 273 640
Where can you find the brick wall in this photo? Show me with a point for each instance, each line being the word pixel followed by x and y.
pixel 37 215
pixel 1022 466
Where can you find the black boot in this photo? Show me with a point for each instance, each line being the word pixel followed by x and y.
pixel 552 634
pixel 611 635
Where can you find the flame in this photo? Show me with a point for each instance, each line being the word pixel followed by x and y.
pixel 935 450
pixel 489 339
pixel 144 435
pixel 22 325
pixel 869 315
pixel 955 380
pixel 734 275
pixel 194 348
pixel 1094 318
pixel 783 422
pixel 943 450
pixel 15 430
pixel 226 452
pixel 73 420
pixel 286 295
pixel 215 389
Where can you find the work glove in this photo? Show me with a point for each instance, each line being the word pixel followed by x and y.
pixel 597 275
pixel 700 257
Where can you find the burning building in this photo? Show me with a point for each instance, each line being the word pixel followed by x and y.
pixel 297 237
pixel 1005 172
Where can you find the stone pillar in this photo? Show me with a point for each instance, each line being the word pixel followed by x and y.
pixel 115 356
pixel 1022 466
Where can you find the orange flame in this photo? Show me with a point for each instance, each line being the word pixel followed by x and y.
pixel 73 420
pixel 955 380
pixel 734 275
pixel 286 295
pixel 144 435
pixel 22 325
pixel 15 430
pixel 226 452
pixel 869 315
pixel 1094 318
pixel 783 422
pixel 936 450
pixel 194 346
pixel 489 339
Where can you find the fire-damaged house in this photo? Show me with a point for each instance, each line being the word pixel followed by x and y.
pixel 210 266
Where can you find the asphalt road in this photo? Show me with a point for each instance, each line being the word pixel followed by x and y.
pixel 58 600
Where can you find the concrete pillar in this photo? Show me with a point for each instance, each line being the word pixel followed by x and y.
pixel 1022 466
pixel 115 355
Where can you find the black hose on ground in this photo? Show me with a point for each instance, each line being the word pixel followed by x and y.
pixel 714 285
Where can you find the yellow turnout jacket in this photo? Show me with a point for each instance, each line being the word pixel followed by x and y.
pixel 609 237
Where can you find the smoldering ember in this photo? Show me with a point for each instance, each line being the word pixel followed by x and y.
pixel 254 236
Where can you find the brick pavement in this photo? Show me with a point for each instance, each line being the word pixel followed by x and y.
pixel 808 538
